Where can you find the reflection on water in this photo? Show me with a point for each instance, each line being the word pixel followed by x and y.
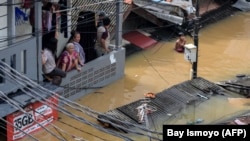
pixel 224 49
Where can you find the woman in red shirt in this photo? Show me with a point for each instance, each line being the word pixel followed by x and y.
pixel 68 60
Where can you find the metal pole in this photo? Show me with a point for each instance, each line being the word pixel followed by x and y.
pixel 11 21
pixel 38 30
pixel 119 21
pixel 196 32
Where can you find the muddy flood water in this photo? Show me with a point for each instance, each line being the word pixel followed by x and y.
pixel 224 49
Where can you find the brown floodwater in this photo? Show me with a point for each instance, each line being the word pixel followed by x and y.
pixel 224 49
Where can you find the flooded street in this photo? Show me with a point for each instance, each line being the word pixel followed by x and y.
pixel 224 49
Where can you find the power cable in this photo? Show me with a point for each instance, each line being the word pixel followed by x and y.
pixel 15 105
pixel 155 69
pixel 38 97
pixel 24 35
pixel 2 133
pixel 7 122
pixel 69 125
pixel 110 15
pixel 3 15
pixel 64 99
pixel 57 128
pixel 76 8
pixel 88 108
pixel 153 123
pixel 60 133
pixel 39 32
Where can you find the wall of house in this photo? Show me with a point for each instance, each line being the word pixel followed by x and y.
pixel 21 57
pixel 95 74
pixel 25 58
pixel 3 25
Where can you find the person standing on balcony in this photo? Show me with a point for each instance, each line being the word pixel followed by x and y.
pixel 49 65
pixel 75 39
pixel 86 25
pixel 99 22
pixel 103 38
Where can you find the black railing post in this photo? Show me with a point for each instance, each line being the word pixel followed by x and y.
pixel 196 40
pixel 119 21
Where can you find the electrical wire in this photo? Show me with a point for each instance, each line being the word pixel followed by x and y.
pixel 150 64
pixel 18 105
pixel 56 127
pixel 76 8
pixel 3 15
pixel 86 109
pixel 111 14
pixel 42 32
pixel 38 97
pixel 105 120
pixel 15 105
pixel 76 106
pixel 78 129
pixel 7 122
pixel 1 133
pixel 66 100
pixel 73 116
pixel 29 34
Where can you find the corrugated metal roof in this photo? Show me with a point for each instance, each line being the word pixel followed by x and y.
pixel 168 102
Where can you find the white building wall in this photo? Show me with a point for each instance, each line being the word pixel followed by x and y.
pixel 3 25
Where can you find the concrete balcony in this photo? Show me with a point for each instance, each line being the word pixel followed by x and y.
pixel 95 74
pixel 22 57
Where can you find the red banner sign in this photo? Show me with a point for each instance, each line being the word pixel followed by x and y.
pixel 36 115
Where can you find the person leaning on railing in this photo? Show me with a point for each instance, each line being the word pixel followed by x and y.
pixel 68 60
pixel 75 39
pixel 51 72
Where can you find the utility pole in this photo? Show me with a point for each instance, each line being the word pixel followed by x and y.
pixel 11 21
pixel 38 29
pixel 196 40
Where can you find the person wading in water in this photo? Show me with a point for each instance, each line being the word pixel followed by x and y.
pixel 180 42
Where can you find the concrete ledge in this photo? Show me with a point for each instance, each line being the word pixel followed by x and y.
pixel 95 74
